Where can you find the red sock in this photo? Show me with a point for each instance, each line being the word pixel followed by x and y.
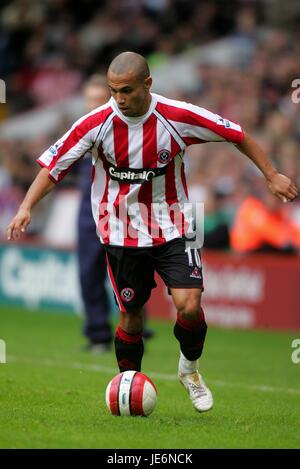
pixel 129 349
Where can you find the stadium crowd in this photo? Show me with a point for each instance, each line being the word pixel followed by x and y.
pixel 47 49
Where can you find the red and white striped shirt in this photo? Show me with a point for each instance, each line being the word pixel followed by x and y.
pixel 138 182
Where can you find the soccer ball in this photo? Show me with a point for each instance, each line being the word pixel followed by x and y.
pixel 131 393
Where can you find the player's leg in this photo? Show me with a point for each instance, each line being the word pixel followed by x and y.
pixel 190 327
pixel 129 345
pixel 190 330
pixel 180 268
pixel 132 278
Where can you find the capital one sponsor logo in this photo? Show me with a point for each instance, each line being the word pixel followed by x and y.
pixel 144 175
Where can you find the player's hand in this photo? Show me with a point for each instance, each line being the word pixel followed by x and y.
pixel 19 224
pixel 283 187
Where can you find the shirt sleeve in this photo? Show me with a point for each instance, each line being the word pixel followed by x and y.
pixel 62 155
pixel 198 125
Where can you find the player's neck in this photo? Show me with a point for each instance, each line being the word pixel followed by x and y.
pixel 145 107
pixel 138 118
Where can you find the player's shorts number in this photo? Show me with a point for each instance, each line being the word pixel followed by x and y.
pixel 190 253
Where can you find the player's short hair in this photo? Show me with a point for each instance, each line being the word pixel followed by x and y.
pixel 130 62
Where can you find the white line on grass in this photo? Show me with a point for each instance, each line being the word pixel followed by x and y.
pixel 162 376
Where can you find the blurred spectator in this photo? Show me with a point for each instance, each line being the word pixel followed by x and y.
pixel 216 222
pixel 54 81
pixel 21 168
pixel 264 226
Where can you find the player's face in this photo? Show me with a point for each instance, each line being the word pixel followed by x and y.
pixel 95 96
pixel 131 94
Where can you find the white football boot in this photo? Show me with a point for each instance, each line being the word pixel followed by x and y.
pixel 199 393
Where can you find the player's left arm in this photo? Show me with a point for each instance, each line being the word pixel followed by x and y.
pixel 282 186
pixel 201 125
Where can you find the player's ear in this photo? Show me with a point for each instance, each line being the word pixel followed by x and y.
pixel 148 83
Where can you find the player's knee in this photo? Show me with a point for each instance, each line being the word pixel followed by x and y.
pixel 189 308
pixel 132 322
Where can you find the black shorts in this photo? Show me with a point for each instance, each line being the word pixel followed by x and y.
pixel 131 270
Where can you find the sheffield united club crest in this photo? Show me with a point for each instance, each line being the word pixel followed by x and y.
pixel 127 294
pixel 164 156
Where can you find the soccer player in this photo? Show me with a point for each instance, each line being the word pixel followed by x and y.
pixel 138 177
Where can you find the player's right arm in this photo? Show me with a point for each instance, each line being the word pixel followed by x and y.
pixel 56 162
pixel 38 189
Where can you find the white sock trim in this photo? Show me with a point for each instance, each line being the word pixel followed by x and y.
pixel 186 366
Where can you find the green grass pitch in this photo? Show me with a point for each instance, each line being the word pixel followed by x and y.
pixel 52 394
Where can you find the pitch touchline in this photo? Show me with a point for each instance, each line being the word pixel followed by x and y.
pixel 153 374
